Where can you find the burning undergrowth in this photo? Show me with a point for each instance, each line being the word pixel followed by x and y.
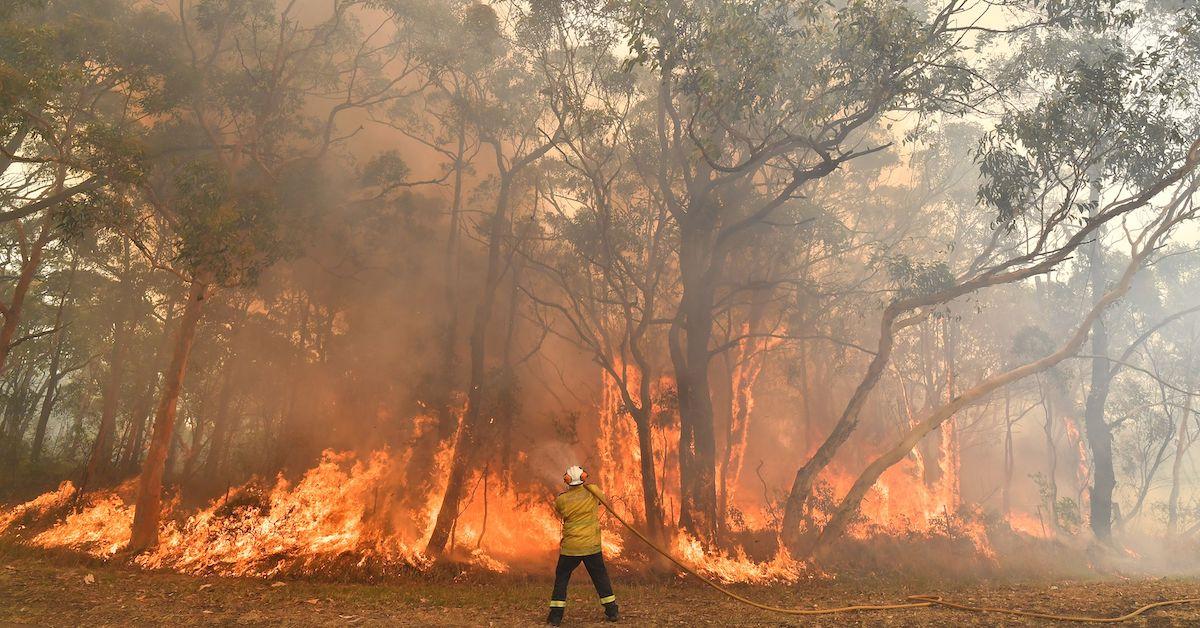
pixel 340 520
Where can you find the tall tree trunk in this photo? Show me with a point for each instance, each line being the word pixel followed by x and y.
pixel 1099 434
pixel 143 406
pixel 52 375
pixel 468 433
pixel 1006 486
pixel 144 534
pixel 651 501
pixel 420 467
pixel 12 310
pixel 690 355
pixel 752 355
pixel 223 424
pixel 1182 442
pixel 48 399
pixel 951 461
pixel 642 412
pixel 1051 462
pixel 100 463
pixel 447 419
pixel 13 427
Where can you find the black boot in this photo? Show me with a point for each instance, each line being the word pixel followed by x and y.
pixel 555 616
pixel 610 612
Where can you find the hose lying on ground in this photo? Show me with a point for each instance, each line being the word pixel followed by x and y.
pixel 915 601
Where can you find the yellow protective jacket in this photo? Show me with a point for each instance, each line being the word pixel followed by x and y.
pixel 580 514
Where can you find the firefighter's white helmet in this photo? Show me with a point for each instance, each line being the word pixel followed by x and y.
pixel 574 476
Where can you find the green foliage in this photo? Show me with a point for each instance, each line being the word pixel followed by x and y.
pixel 386 170
pixel 1108 100
pixel 915 278
pixel 1069 517
pixel 228 228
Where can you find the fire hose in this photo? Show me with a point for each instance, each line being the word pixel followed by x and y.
pixel 914 601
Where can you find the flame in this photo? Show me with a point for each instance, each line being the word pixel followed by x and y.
pixel 1075 439
pixel 337 516
pixel 101 529
pixel 38 506
pixel 738 568
pixel 1028 525
pixel 346 514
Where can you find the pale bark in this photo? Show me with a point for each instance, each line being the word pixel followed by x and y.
pixel 1144 246
pixel 147 509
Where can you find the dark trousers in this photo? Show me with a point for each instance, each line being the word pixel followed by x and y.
pixel 595 568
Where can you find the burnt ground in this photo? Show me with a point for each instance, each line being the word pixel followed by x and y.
pixel 65 590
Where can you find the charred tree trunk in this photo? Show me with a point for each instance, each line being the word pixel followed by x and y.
pixel 1099 433
pixel 144 534
pixel 690 353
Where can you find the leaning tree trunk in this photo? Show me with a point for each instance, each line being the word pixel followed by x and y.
pixel 853 500
pixel 802 485
pixel 146 513
pixel 12 311
pixel 48 399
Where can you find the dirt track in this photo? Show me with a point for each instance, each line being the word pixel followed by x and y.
pixel 66 591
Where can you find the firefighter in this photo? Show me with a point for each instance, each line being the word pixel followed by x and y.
pixel 579 509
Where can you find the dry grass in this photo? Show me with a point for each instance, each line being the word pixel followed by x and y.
pixel 55 590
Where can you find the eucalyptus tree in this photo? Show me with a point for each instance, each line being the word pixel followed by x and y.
pixel 606 276
pixel 524 110
pixel 1038 166
pixel 462 50
pixel 240 142
pixel 75 74
pixel 1128 103
pixel 752 104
